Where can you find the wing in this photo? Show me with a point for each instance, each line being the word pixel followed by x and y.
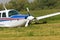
pixel 46 16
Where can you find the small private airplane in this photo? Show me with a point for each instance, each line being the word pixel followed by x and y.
pixel 12 18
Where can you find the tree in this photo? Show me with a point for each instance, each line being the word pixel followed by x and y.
pixel 1 7
pixel 37 4
pixel 46 3
pixel 18 4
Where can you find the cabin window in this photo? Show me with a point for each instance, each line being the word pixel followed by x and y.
pixel 12 12
pixel 4 14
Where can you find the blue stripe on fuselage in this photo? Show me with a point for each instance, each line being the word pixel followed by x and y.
pixel 19 16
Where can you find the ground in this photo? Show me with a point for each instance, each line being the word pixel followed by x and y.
pixel 49 31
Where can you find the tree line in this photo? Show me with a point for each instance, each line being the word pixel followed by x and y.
pixel 36 5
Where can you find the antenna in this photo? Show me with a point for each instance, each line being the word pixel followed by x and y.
pixel 4 7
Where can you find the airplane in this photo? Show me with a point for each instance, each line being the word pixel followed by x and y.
pixel 12 18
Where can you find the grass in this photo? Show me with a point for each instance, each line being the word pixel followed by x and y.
pixel 48 31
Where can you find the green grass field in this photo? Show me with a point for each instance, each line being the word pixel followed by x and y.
pixel 48 31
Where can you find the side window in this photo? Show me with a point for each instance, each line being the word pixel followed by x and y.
pixel 4 14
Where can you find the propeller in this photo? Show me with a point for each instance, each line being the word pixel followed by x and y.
pixel 27 23
pixel 29 18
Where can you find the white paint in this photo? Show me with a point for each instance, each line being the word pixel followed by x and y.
pixel 13 23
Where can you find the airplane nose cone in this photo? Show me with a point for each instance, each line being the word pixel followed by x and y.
pixel 30 18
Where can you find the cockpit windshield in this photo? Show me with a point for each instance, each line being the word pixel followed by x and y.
pixel 13 12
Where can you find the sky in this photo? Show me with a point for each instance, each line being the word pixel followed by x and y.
pixel 30 0
pixel 4 1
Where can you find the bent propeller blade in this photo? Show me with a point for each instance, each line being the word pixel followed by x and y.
pixel 27 23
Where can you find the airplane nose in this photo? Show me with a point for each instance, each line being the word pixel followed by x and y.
pixel 30 18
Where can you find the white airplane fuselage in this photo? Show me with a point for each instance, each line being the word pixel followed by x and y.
pixel 13 23
pixel 11 18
